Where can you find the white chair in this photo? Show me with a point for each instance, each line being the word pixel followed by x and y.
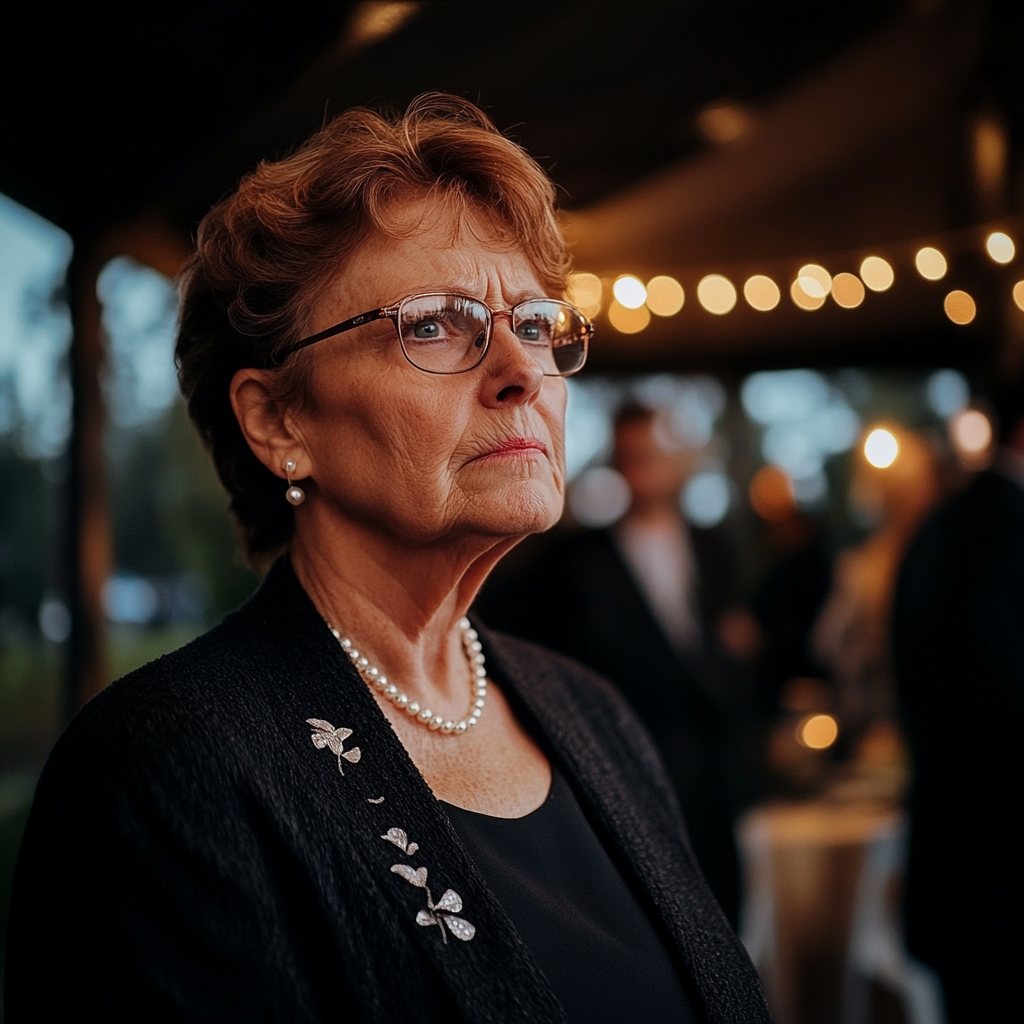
pixel 876 950
pixel 871 944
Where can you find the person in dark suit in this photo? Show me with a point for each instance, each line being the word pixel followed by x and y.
pixel 643 603
pixel 959 653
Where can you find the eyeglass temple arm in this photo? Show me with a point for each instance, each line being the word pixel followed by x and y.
pixel 345 325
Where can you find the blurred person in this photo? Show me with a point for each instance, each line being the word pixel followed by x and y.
pixel 262 825
pixel 852 636
pixel 959 650
pixel 648 603
pixel 790 597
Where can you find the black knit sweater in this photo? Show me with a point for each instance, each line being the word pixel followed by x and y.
pixel 192 855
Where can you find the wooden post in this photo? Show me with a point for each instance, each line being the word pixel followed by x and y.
pixel 88 544
pixel 89 534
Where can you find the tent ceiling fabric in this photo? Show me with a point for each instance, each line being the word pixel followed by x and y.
pixel 857 117
pixel 863 107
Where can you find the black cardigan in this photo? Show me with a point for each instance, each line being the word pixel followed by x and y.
pixel 192 855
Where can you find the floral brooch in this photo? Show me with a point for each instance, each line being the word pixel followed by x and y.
pixel 325 735
pixel 443 913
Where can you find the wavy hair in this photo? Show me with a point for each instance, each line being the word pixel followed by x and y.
pixel 289 229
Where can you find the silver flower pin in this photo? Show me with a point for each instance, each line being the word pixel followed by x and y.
pixel 325 735
pixel 401 840
pixel 442 913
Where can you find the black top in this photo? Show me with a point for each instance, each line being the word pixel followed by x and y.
pixel 198 852
pixel 573 909
pixel 579 596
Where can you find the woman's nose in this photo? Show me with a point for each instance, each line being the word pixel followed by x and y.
pixel 513 375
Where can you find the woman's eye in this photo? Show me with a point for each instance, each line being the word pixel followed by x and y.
pixel 531 332
pixel 426 329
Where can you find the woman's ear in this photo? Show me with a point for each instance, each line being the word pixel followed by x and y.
pixel 265 423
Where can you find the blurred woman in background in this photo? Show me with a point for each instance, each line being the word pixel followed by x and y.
pixel 852 635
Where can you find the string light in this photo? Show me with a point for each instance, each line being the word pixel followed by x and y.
pixel 881 448
pixel 585 292
pixel 930 263
pixel 847 290
pixel 762 293
pixel 815 280
pixel 959 307
pixel 877 274
pixel 629 292
pixel 717 294
pixel 665 296
pixel 802 299
pixel 626 320
pixel 1000 247
pixel 818 732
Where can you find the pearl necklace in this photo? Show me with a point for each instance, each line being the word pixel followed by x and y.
pixel 379 681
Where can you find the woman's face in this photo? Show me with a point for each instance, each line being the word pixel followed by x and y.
pixel 425 456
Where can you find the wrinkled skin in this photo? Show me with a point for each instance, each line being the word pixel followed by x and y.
pixel 408 506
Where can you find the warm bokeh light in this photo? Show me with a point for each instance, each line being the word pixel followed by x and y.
pixel 930 263
pixel 959 307
pixel 877 274
pixel 1018 294
pixel 626 320
pixel 802 299
pixel 847 290
pixel 881 448
pixel 816 281
pixel 629 291
pixel 818 732
pixel 970 431
pixel 723 122
pixel 665 295
pixel 1000 247
pixel 717 294
pixel 584 292
pixel 761 292
pixel 772 495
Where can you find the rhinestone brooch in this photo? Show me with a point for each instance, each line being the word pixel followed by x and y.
pixel 444 913
pixel 325 735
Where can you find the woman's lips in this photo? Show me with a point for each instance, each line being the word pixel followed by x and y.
pixel 516 446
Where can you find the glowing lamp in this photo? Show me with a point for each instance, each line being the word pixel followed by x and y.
pixel 665 296
pixel 717 294
pixel 761 293
pixel 814 280
pixel 877 274
pixel 959 307
pixel 818 732
pixel 881 448
pixel 802 299
pixel 584 292
pixel 847 290
pixel 1000 247
pixel 930 263
pixel 629 292
pixel 626 320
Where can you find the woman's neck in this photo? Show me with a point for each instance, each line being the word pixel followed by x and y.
pixel 399 604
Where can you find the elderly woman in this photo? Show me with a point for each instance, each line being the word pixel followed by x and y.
pixel 346 802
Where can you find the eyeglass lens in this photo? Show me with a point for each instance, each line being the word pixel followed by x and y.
pixel 448 333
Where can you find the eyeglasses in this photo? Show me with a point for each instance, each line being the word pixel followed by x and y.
pixel 443 332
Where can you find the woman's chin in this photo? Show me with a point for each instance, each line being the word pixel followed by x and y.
pixel 527 506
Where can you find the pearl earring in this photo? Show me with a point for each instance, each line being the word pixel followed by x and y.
pixel 296 495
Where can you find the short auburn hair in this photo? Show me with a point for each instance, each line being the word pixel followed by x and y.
pixel 288 230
